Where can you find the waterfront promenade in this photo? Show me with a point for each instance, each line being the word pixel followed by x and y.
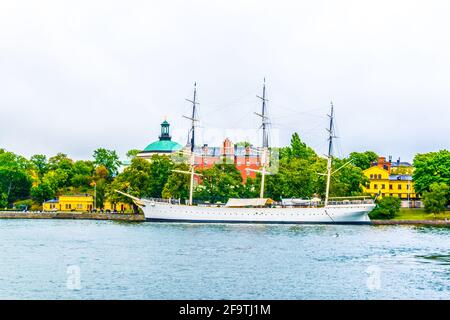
pixel 72 215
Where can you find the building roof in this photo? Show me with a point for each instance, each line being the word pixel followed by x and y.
pixel 401 164
pixel 163 146
pixel 52 201
pixel 218 151
pixel 402 177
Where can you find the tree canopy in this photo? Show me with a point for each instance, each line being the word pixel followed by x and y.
pixel 109 159
pixel 436 198
pixel 429 168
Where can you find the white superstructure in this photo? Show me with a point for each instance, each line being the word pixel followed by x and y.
pixel 342 213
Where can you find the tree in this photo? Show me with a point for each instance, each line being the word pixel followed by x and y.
pixel 386 208
pixel 432 167
pixel 82 174
pixel 297 149
pixel 363 159
pixel 295 179
pixel 132 153
pixel 348 180
pixel 160 170
pixel 109 159
pixel 43 192
pixel 134 180
pixel 40 163
pixel 219 183
pixel 177 185
pixel 436 199
pixel 244 144
pixel 100 181
pixel 60 170
pixel 15 178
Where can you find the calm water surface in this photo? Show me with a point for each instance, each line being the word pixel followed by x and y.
pixel 186 261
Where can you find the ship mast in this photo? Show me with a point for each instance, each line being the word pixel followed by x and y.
pixel 192 143
pixel 265 139
pixel 330 150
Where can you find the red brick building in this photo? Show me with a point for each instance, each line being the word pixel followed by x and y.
pixel 242 157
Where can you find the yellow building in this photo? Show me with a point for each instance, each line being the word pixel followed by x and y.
pixel 82 203
pixel 382 181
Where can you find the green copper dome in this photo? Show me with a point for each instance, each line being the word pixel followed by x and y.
pixel 163 146
pixel 165 143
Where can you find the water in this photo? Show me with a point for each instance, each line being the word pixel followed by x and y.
pixel 186 261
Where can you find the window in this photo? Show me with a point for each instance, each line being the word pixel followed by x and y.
pixel 399 187
pixel 390 194
pixel 379 177
pixel 68 206
pixel 382 186
pixel 371 176
pixel 79 206
pixel 390 187
pixel 407 187
pixel 375 186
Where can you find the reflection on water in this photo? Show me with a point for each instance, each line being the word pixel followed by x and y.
pixel 220 261
pixel 437 259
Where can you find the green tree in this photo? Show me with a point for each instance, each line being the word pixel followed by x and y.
pixel 177 185
pixel 101 183
pixel 134 180
pixel 295 179
pixel 297 149
pixel 429 168
pixel 245 144
pixel 363 160
pixel 42 192
pixel 40 163
pixel 387 208
pixel 160 170
pixel 347 179
pixel 82 174
pixel 60 170
pixel 436 199
pixel 109 159
pixel 132 153
pixel 15 178
pixel 219 183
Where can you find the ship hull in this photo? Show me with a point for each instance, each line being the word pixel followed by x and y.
pixel 339 214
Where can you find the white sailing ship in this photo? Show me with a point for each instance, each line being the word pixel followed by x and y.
pixel 258 210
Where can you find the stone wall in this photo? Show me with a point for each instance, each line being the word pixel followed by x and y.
pixel 71 215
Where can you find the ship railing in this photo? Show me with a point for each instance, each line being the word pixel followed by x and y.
pixel 168 201
pixel 330 203
pixel 354 201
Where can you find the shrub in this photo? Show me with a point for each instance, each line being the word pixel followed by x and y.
pixel 436 199
pixel 23 204
pixel 386 208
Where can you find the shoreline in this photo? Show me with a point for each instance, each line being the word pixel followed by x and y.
pixel 411 222
pixel 139 217
pixel 72 216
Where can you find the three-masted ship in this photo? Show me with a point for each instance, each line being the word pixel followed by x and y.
pixel 257 210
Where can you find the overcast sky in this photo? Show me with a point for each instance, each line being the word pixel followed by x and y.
pixel 78 75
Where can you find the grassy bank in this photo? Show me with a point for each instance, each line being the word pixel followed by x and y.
pixel 420 214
